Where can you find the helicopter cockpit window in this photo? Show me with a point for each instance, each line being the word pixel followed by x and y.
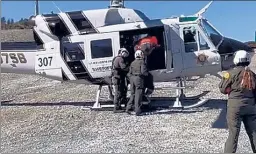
pixel 101 48
pixel 202 43
pixel 80 22
pixel 190 40
pixel 215 36
pixel 56 26
pixel 73 51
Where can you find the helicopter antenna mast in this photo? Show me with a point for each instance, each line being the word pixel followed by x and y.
pixel 56 6
pixel 116 4
pixel 199 13
pixel 36 8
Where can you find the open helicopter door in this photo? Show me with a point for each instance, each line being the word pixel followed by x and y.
pixel 101 49
pixel 168 48
pixel 200 56
pixel 173 48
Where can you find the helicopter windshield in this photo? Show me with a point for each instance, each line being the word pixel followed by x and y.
pixel 215 36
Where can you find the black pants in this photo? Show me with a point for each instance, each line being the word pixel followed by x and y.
pixel 120 91
pixel 149 82
pixel 240 111
pixel 137 89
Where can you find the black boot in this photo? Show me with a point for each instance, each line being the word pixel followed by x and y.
pixel 118 109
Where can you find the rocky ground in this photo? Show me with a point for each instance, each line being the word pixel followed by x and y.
pixel 42 115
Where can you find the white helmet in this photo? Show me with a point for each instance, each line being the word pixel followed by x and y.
pixel 241 56
pixel 138 54
pixel 123 52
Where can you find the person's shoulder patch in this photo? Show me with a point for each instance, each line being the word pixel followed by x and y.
pixel 226 75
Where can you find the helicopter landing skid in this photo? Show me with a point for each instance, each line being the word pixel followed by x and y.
pixel 97 105
pixel 181 97
pixel 178 103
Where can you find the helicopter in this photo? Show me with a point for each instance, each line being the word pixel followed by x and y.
pixel 79 46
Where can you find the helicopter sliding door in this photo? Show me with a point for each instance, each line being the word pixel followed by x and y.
pixel 199 54
pixel 100 51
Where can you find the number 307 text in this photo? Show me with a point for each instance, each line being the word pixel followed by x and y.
pixel 45 61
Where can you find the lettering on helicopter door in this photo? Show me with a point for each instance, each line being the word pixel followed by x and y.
pixel 101 69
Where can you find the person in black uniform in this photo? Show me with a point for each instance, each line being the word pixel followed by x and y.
pixel 239 84
pixel 137 73
pixel 119 72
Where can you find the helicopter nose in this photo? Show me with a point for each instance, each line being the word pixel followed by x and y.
pixel 227 49
pixel 231 46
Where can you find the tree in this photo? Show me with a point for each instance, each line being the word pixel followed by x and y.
pixel 21 20
pixel 12 21
pixel 3 20
pixel 8 22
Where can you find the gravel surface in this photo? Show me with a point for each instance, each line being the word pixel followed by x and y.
pixel 42 115
pixel 17 35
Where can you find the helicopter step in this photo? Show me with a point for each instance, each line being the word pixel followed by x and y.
pixel 78 70
pixel 153 102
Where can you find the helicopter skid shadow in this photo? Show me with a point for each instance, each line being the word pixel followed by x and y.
pixel 167 102
pixel 88 103
pixel 219 122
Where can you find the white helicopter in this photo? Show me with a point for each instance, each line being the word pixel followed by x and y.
pixel 79 47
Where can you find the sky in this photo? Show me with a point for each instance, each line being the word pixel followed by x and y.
pixel 234 19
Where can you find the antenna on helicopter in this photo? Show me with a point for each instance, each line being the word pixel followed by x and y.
pixel 199 13
pixel 36 8
pixel 116 4
pixel 56 6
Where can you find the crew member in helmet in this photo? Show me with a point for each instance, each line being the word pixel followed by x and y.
pixel 147 44
pixel 137 73
pixel 239 84
pixel 119 71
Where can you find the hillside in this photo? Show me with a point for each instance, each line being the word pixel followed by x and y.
pixel 11 24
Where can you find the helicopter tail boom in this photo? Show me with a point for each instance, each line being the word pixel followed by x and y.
pixel 16 61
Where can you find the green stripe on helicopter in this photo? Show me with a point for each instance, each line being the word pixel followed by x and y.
pixel 186 19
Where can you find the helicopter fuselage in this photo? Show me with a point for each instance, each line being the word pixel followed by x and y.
pixel 80 46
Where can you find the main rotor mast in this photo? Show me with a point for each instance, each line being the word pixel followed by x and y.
pixel 36 8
